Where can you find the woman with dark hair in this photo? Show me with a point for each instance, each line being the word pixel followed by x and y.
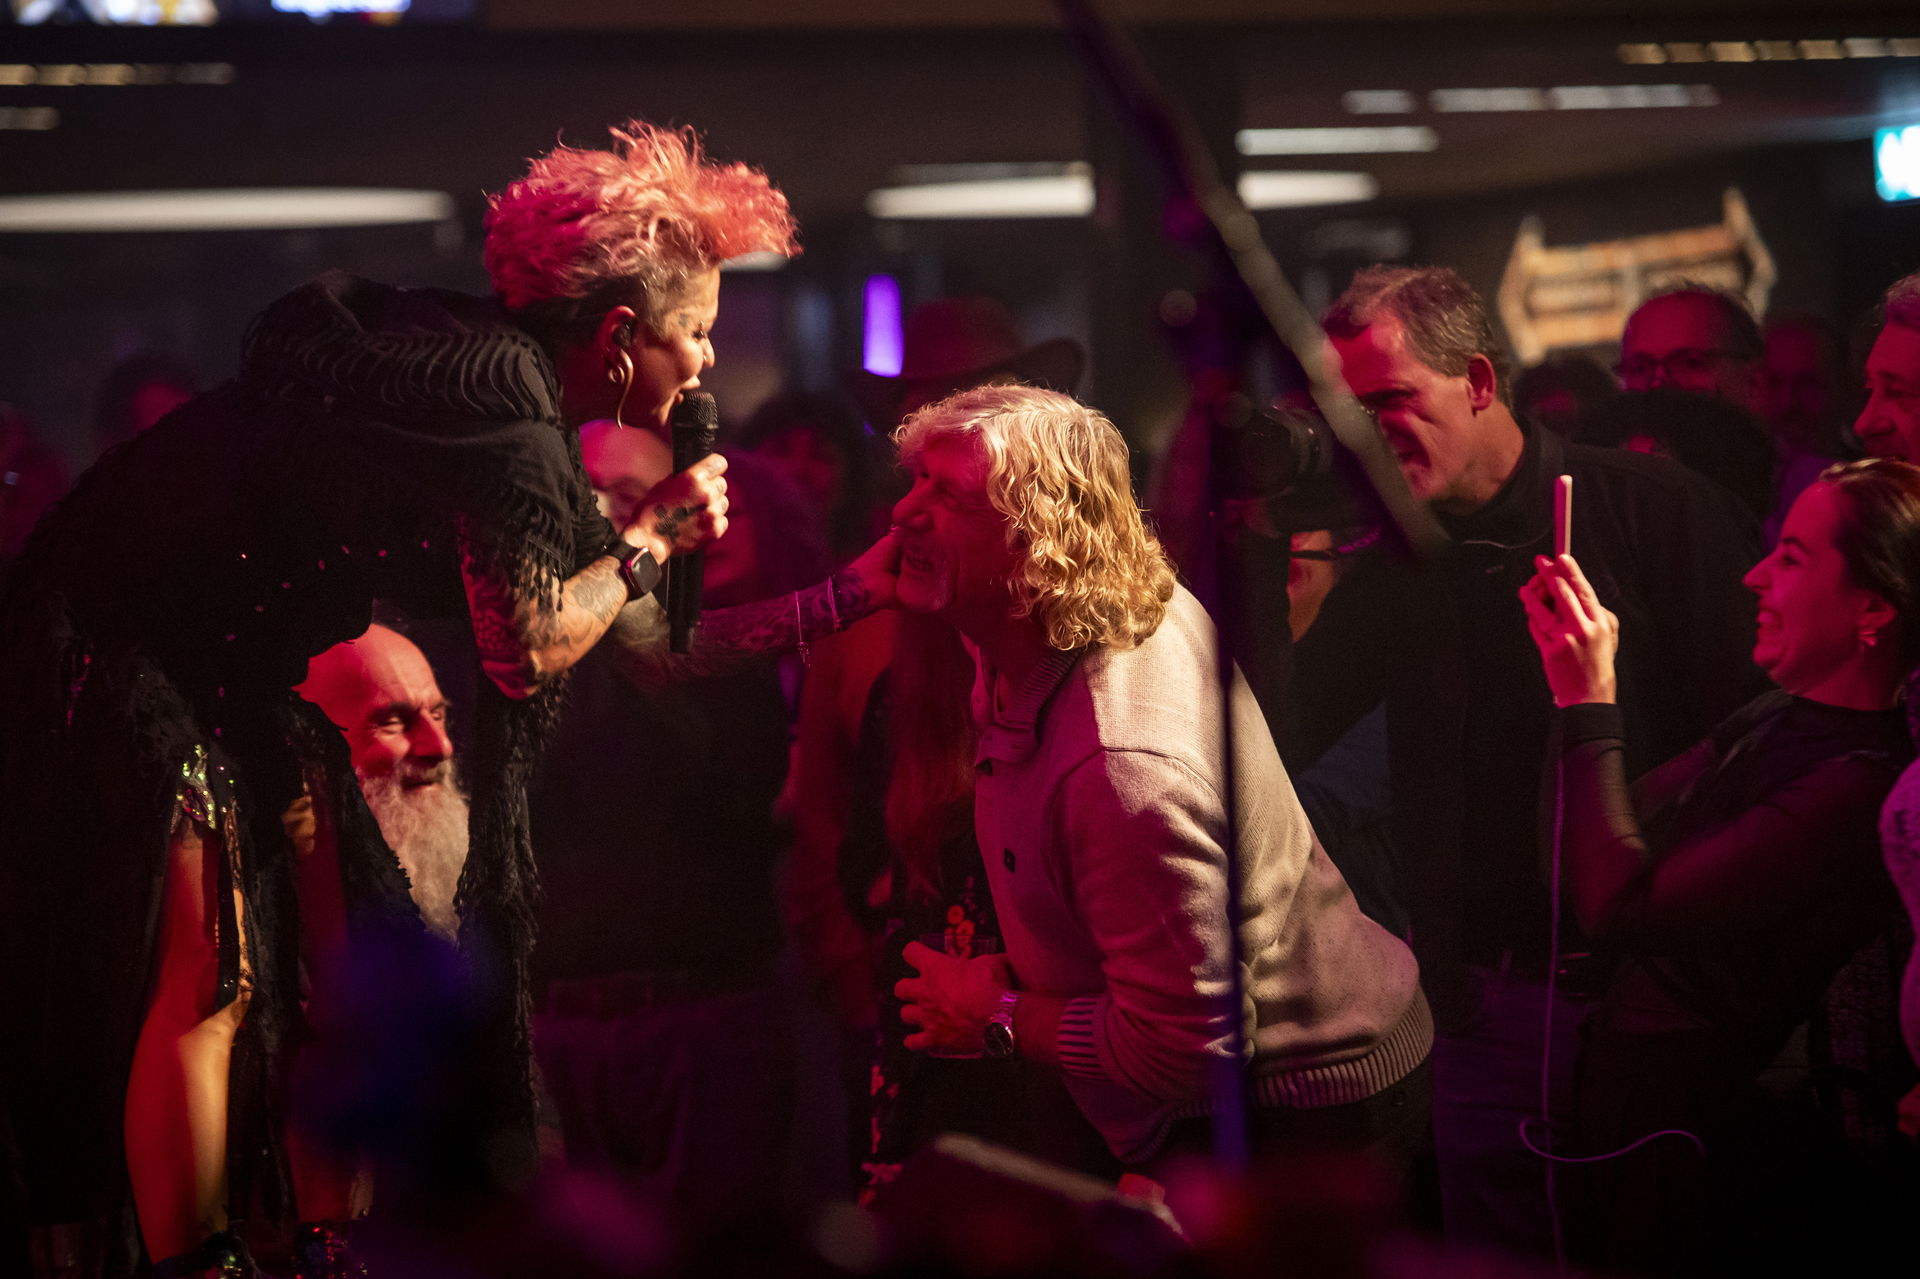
pixel 416 447
pixel 884 855
pixel 819 440
pixel 1733 881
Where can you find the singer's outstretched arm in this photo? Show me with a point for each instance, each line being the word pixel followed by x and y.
pixel 637 640
pixel 525 642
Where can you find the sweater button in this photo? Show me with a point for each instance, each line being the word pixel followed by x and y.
pixel 1006 859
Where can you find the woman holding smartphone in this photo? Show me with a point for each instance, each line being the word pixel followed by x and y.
pixel 1733 881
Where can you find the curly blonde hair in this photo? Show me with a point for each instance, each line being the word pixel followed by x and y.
pixel 586 230
pixel 1092 573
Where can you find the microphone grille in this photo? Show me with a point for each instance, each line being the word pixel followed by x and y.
pixel 696 409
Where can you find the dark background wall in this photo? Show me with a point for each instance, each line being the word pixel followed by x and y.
pixel 832 112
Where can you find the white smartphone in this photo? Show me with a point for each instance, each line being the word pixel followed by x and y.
pixel 1563 516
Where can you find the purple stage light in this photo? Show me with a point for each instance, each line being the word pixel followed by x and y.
pixel 880 327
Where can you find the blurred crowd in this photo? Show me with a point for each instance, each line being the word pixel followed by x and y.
pixel 1638 802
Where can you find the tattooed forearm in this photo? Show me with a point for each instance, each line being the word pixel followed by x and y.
pixel 523 643
pixel 493 634
pixel 598 591
pixel 729 636
pixel 778 625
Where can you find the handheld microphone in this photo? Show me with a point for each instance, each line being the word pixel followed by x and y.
pixel 693 421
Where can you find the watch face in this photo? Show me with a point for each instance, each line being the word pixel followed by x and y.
pixel 999 1040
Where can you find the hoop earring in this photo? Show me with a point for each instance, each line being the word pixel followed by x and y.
pixel 620 373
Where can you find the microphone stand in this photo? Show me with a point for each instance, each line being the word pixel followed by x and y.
pixel 1244 265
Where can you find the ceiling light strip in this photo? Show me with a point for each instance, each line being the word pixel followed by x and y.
pixel 1071 195
pixel 1361 140
pixel 222 210
pixel 1649 53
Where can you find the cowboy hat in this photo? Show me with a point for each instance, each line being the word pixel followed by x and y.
pixel 951 344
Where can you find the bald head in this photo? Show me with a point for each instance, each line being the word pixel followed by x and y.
pixel 622 465
pixel 380 692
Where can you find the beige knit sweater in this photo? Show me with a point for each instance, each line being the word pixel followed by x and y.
pixel 1099 805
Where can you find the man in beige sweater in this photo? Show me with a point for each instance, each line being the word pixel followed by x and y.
pixel 1100 808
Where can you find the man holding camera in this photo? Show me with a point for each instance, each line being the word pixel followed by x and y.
pixel 1468 710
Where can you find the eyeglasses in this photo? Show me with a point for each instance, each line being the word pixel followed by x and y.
pixel 1679 366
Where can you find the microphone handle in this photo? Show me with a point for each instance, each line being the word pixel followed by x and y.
pixel 691 442
pixel 683 599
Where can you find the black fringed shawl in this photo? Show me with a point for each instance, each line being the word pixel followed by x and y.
pixel 149 638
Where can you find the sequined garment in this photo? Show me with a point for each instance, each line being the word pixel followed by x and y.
pixel 149 638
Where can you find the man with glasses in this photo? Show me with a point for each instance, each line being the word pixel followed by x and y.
pixel 1698 339
pixel 1705 342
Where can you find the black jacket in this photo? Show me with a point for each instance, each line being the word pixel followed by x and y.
pixel 1446 644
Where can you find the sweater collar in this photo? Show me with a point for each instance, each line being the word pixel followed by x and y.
pixel 1013 734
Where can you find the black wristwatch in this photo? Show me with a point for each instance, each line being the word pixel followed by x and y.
pixel 638 569
pixel 998 1032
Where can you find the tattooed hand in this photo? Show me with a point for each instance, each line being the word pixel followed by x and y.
pixel 683 512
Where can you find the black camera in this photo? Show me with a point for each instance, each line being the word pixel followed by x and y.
pixel 1288 459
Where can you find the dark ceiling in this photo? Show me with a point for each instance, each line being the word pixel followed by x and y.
pixel 830 112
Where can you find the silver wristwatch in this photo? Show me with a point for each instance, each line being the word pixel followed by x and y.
pixel 998 1032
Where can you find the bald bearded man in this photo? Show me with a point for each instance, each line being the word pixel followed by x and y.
pixel 381 692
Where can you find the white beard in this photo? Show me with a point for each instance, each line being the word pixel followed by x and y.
pixel 426 826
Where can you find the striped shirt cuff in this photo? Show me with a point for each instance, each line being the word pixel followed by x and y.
pixel 1075 1039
